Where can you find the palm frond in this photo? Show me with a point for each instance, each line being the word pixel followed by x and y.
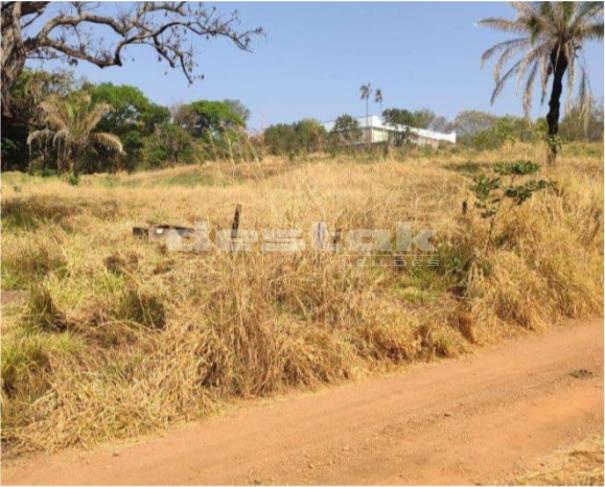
pixel 503 59
pixel 587 10
pixel 514 43
pixel 542 50
pixel 62 135
pixel 529 88
pixel 593 31
pixel 554 32
pixel 525 9
pixel 39 134
pixel 570 53
pixel 94 116
pixel 55 113
pixel 534 20
pixel 584 99
pixel 365 91
pixel 378 96
pixel 544 75
pixel 566 11
pixel 110 141
pixel 504 25
pixel 501 81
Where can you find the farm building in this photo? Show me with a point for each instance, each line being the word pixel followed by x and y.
pixel 375 130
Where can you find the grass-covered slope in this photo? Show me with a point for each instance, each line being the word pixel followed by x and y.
pixel 116 336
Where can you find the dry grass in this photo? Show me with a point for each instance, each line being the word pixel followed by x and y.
pixel 119 337
pixel 580 465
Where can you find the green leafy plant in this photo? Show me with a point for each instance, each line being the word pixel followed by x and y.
pixel 554 143
pixel 491 192
pixel 73 178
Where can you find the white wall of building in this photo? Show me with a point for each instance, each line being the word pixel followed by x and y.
pixel 379 131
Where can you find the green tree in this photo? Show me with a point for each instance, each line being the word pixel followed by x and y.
pixel 71 123
pixel 170 143
pixel 306 135
pixel 346 130
pixel 423 118
pixel 310 135
pixel 552 35
pixel 418 119
pixel 238 108
pixel 396 116
pixel 29 90
pixel 208 118
pixel 132 118
pixel 280 139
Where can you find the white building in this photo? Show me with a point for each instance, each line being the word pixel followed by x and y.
pixel 375 130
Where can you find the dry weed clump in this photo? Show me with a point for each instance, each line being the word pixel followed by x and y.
pixel 28 259
pixel 118 337
pixel 548 259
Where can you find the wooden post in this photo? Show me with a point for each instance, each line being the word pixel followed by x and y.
pixel 235 226
pixel 336 239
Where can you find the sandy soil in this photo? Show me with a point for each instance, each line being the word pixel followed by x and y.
pixel 482 418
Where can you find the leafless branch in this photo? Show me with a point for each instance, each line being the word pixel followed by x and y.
pixel 72 32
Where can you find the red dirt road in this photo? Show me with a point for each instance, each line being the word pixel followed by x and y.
pixel 477 419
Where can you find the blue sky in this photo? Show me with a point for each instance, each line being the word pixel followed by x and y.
pixel 316 55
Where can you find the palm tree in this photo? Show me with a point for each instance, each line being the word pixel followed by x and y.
pixel 70 124
pixel 366 91
pixel 550 42
pixel 378 96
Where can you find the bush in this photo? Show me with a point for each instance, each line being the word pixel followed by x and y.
pixel 503 129
pixel 305 136
pixel 169 145
pixel 346 131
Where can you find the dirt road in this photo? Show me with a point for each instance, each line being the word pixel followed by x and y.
pixel 477 419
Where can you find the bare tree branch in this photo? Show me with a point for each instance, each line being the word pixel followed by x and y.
pixel 69 33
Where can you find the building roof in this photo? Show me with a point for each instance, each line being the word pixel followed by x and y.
pixel 376 122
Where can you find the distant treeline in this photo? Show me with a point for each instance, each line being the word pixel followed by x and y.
pixel 151 135
pixel 474 129
pixel 154 136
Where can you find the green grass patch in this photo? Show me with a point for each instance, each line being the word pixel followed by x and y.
pixel 193 179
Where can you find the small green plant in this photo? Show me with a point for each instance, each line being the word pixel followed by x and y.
pixel 73 179
pixel 492 191
pixel 47 173
pixel 554 143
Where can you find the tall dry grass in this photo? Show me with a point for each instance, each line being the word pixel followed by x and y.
pixel 117 336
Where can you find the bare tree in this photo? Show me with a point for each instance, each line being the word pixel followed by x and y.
pixel 70 31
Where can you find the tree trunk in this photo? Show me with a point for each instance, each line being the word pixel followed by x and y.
pixel 559 64
pixel 13 52
pixel 368 130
